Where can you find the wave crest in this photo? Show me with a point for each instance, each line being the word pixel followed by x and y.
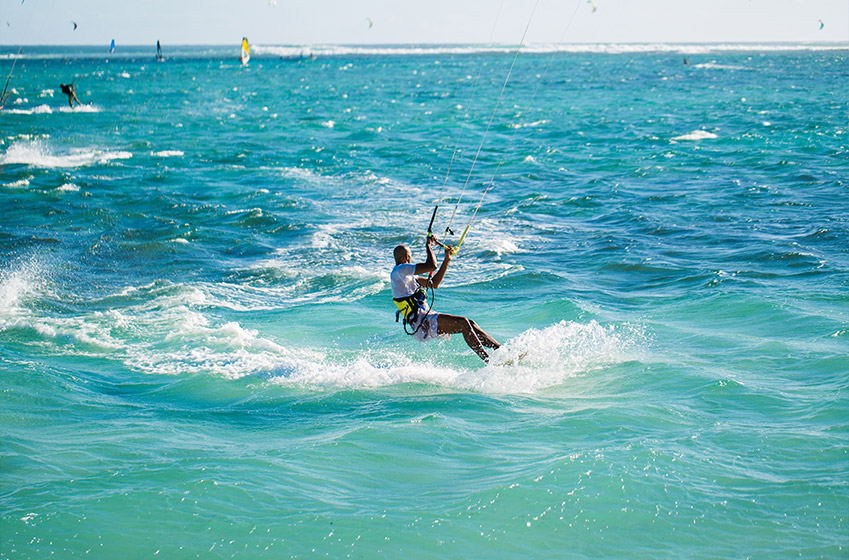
pixel 298 51
pixel 696 135
pixel 533 361
pixel 38 154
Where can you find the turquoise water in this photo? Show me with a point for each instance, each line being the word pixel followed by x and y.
pixel 198 353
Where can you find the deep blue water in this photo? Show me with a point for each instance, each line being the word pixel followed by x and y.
pixel 198 353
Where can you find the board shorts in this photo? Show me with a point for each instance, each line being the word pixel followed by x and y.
pixel 428 328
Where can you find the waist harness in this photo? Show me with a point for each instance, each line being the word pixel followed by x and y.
pixel 410 308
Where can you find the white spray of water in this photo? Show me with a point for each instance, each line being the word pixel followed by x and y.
pixel 696 135
pixel 164 328
pixel 38 154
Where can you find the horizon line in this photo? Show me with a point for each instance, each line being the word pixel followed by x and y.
pixel 442 44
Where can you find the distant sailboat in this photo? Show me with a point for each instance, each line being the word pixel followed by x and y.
pixel 159 56
pixel 112 47
pixel 245 55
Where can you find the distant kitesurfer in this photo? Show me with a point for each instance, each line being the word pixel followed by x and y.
pixel 68 89
pixel 408 291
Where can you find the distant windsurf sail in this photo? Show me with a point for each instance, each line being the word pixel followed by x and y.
pixel 245 56
pixel 112 46
pixel 158 51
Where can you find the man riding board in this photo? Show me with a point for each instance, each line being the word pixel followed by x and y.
pixel 408 292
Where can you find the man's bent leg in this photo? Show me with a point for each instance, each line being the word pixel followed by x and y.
pixel 474 336
pixel 483 337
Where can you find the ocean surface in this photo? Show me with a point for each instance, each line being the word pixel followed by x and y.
pixel 198 348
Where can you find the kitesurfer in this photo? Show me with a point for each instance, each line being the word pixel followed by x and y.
pixel 407 290
pixel 68 89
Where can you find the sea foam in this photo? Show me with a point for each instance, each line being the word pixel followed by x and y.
pixel 533 361
pixel 39 154
pixel 89 108
pixel 696 135
pixel 37 110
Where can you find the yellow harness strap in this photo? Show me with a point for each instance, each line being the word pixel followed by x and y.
pixel 404 307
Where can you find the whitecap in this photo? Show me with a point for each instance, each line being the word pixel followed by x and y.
pixel 182 340
pixel 715 66
pixel 38 154
pixel 533 361
pixel 89 108
pixel 38 110
pixel 301 173
pixel 19 184
pixel 68 187
pixel 167 153
pixel 325 237
pixel 500 245
pixel 696 135
pixel 528 125
pixel 539 48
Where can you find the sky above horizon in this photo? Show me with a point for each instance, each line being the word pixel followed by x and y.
pixel 340 22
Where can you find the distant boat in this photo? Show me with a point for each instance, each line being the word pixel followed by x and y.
pixel 245 55
pixel 159 56
pixel 112 47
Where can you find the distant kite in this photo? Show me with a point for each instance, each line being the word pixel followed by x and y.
pixel 822 24
pixel 75 25
pixel 272 3
pixel 370 22
pixel 593 4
